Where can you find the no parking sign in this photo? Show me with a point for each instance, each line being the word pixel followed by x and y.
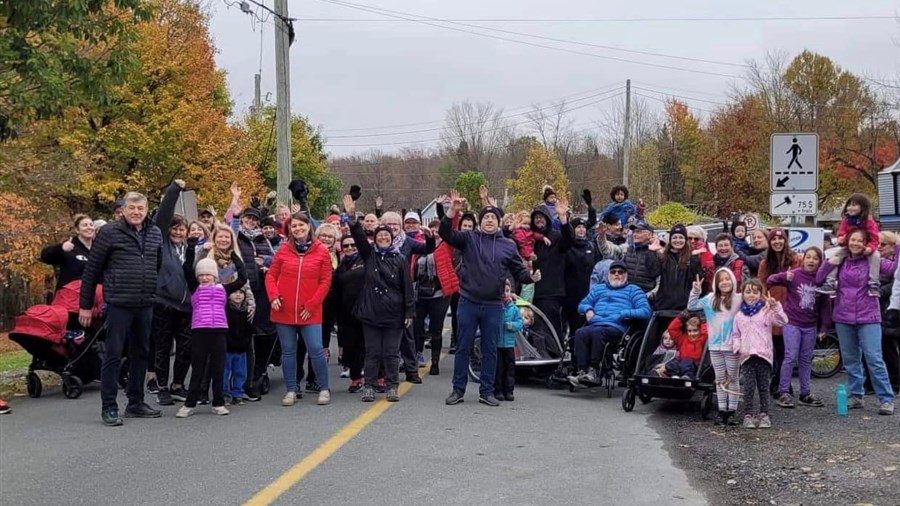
pixel 751 221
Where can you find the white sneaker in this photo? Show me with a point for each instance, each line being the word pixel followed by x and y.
pixel 289 399
pixel 345 373
pixel 184 412
pixel 324 397
pixel 219 410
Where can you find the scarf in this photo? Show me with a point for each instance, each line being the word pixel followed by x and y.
pixel 350 258
pixel 749 310
pixel 251 234
pixel 384 251
pixel 399 239
pixel 721 261
pixel 854 221
pixel 302 247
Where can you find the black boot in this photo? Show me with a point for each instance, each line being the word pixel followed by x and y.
pixel 436 345
pixel 732 419
pixel 721 418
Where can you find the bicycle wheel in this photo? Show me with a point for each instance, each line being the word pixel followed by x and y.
pixel 826 361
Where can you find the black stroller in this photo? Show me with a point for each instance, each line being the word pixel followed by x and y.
pixel 73 355
pixel 644 386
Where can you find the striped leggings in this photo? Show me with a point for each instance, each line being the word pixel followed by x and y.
pixel 726 365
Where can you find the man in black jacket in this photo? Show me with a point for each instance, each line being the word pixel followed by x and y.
pixel 125 259
pixel 551 261
pixel 488 260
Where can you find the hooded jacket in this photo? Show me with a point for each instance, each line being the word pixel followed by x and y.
pixel 512 324
pixel 487 261
pixel 675 281
pixel 581 258
pixel 720 323
pixel 126 262
pixel 612 306
pixel 853 305
pixel 643 264
pixel 688 349
pixel 301 281
pixel 71 264
pixel 752 335
pixel 551 260
pixel 171 287
pixel 386 297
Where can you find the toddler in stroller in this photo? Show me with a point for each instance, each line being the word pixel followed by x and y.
pixel 686 336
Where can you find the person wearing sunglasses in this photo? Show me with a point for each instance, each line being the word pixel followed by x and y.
pixel 607 308
pixel 348 278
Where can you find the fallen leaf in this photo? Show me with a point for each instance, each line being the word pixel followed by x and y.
pixel 890 469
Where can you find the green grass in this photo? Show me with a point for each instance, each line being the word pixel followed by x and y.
pixel 14 360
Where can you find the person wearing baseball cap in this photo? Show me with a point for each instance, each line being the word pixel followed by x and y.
pixel 488 259
pixel 607 309
pixel 643 263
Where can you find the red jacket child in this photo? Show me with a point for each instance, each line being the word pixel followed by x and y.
pixel 688 348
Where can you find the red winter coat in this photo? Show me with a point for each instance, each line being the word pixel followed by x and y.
pixel 300 281
pixel 443 261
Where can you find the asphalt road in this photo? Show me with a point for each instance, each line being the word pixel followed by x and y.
pixel 547 447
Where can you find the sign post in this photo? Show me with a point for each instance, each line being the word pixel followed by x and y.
pixel 794 174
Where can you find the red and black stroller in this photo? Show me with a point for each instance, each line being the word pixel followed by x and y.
pixel 42 330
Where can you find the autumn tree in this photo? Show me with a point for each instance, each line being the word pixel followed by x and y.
pixel 55 54
pixel 682 146
pixel 541 168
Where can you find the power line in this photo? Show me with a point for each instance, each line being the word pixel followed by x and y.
pixel 532 44
pixel 440 121
pixel 437 129
pixel 460 136
pixel 625 20
pixel 554 39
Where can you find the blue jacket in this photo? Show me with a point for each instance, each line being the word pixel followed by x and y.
pixel 623 210
pixel 612 306
pixel 512 324
pixel 487 261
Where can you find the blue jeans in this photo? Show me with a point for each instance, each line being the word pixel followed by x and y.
pixel 867 338
pixel 312 337
pixel 125 326
pixel 235 374
pixel 473 316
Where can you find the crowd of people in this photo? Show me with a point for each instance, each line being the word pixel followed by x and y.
pixel 229 296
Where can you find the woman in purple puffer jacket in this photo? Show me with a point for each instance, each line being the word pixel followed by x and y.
pixel 857 316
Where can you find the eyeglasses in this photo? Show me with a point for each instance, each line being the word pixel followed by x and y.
pixel 617 272
pixel 349 246
pixel 696 239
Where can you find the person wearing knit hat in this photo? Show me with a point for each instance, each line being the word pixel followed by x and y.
pixel 678 270
pixel 550 199
pixel 488 259
pixel 207 266
pixel 549 194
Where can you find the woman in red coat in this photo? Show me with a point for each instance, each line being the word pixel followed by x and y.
pixel 297 284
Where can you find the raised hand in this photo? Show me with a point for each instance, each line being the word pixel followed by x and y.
pixel 426 231
pixel 482 192
pixel 379 201
pixel 235 191
pixel 536 276
pixel 789 275
pixel 295 208
pixel 697 285
pixel 349 205
pixel 68 246
pixel 457 203
pixel 562 207
pixel 835 260
pixel 180 183
pixel 443 199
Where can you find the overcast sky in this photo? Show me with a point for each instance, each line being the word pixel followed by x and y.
pixel 367 73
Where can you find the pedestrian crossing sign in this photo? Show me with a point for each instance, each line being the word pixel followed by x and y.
pixel 794 162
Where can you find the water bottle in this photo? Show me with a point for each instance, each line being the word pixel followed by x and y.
pixel 842 400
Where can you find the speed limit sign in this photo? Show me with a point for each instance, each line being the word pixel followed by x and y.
pixel 751 221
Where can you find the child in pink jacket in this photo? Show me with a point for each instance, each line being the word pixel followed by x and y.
pixel 751 339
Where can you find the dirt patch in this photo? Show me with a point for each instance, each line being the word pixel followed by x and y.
pixel 809 456
pixel 6 345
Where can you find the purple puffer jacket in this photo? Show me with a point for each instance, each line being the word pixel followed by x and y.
pixel 854 305
pixel 208 304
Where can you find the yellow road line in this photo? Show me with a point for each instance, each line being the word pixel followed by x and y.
pixel 296 473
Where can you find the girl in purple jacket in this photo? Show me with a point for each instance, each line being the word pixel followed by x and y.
pixel 209 328
pixel 808 315
pixel 857 317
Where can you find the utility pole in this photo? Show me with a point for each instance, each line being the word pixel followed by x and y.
pixel 626 150
pixel 257 100
pixel 283 100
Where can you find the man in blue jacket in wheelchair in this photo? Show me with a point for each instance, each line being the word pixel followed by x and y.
pixel 607 308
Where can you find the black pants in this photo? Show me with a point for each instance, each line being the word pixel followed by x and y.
pixel 454 323
pixel 505 381
pixel 208 355
pixel 125 326
pixel 350 335
pixel 171 326
pixel 573 320
pixel 383 350
pixel 436 312
pixel 552 309
pixel 264 345
pixel 890 351
pixel 777 359
pixel 756 373
pixel 408 351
